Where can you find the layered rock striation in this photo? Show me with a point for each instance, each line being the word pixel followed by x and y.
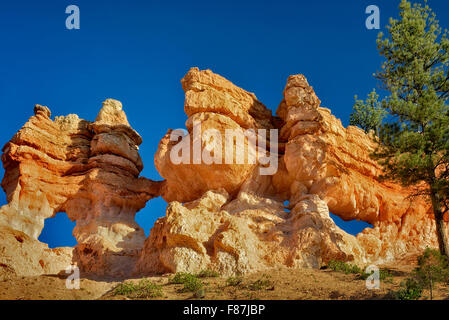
pixel 90 170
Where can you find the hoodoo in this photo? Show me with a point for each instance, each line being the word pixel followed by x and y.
pixel 223 216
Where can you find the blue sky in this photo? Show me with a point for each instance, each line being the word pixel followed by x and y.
pixel 138 51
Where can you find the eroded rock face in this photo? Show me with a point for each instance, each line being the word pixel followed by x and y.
pixel 215 103
pixel 326 159
pixel 322 167
pixel 224 216
pixel 247 234
pixel 22 255
pixel 90 170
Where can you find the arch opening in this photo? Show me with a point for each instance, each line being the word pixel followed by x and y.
pixel 353 227
pixel 146 217
pixel 58 231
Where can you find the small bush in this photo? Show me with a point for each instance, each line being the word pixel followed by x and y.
pixel 234 281
pixel 199 293
pixel 432 267
pixel 192 285
pixel 208 274
pixel 181 278
pixel 383 275
pixel 143 289
pixel 411 290
pixel 262 283
pixel 347 268
pixel 190 281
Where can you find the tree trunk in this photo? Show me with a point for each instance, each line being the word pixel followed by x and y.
pixel 441 229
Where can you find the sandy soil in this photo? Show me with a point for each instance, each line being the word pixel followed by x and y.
pixel 51 288
pixel 290 285
pixel 284 284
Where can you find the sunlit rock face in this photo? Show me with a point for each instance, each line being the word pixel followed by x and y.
pixel 216 104
pixel 239 224
pixel 224 216
pixel 22 255
pixel 326 159
pixel 90 170
pixel 246 234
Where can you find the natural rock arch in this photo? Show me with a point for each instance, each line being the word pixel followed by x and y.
pixel 227 217
pixel 89 170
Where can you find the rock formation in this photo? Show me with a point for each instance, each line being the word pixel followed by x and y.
pixel 215 103
pixel 324 158
pixel 21 255
pixel 90 170
pixel 224 216
pixel 322 167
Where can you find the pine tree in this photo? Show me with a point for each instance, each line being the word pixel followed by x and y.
pixel 368 114
pixel 414 141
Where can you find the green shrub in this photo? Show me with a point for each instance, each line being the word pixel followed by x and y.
pixel 143 289
pixel 192 285
pixel 433 267
pixel 341 266
pixel 411 290
pixel 181 278
pixel 208 274
pixel 125 288
pixel 383 275
pixel 190 281
pixel 234 281
pixel 347 268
